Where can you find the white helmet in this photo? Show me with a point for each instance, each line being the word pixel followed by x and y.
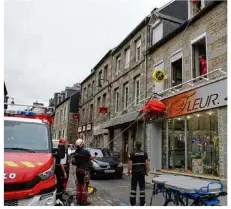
pixel 79 143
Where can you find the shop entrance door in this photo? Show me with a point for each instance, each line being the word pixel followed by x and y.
pixel 176 134
pixel 156 146
pixel 125 147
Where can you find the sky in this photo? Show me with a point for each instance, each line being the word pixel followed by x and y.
pixel 51 44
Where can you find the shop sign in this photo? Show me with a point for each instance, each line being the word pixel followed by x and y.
pixel 75 116
pixel 206 97
pixel 89 127
pixel 84 128
pixel 79 129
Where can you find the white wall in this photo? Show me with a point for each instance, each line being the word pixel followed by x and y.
pixel 156 146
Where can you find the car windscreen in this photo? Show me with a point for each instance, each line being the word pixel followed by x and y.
pixel 106 153
pixel 93 151
pixel 25 136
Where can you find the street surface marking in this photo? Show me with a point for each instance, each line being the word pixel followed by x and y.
pixel 11 164
pixel 28 164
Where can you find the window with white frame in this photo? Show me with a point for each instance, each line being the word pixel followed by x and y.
pixel 61 114
pixel 158 87
pixel 83 115
pixel 137 90
pixel 91 112
pixel 195 6
pixel 57 118
pixel 177 68
pixel 118 63
pixel 60 134
pixel 100 78
pixel 93 87
pixel 89 90
pixel 157 33
pixel 64 113
pixel 116 100
pixel 199 58
pixel 104 100
pixel 138 49
pixel 126 95
pixel 63 133
pixel 105 73
pixel 84 93
pixel 127 58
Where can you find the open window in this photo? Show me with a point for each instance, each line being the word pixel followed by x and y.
pixel 195 6
pixel 177 70
pixel 199 58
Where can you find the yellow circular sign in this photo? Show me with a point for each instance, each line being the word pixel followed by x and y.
pixel 159 76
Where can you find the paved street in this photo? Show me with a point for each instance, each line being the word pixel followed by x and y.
pixel 115 192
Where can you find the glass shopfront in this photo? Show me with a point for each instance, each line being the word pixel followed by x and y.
pixel 191 143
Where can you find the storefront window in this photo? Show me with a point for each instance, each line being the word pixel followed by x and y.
pixel 203 144
pixel 201 131
pixel 176 143
pixel 164 145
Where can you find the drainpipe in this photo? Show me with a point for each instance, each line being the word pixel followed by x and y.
pixel 145 84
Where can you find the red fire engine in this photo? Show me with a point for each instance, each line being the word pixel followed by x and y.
pixel 29 178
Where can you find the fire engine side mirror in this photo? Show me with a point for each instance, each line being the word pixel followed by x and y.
pixel 55 152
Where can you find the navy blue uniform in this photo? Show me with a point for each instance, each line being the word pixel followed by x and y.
pixel 138 158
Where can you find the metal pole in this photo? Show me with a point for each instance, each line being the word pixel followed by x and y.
pixel 186 143
pixel 167 143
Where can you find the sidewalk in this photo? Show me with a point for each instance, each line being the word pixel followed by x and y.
pixel 151 175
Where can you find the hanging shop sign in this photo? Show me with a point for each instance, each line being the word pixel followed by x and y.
pixel 75 116
pixel 80 129
pixel 89 127
pixel 84 128
pixel 159 76
pixel 209 96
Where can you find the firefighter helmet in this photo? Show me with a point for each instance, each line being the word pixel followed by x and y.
pixel 79 143
pixel 62 141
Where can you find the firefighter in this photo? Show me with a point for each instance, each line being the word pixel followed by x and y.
pixel 61 170
pixel 82 160
pixel 138 167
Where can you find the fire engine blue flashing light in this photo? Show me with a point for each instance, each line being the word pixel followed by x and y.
pixel 27 113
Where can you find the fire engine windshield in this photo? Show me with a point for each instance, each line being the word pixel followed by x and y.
pixel 25 137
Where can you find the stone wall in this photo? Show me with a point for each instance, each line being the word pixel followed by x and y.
pixel 72 131
pixel 214 24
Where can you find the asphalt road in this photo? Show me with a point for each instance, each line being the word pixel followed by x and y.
pixel 119 189
pixel 116 192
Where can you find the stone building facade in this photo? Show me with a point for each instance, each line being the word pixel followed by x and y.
pixel 124 90
pixel 60 124
pixel 66 119
pixel 186 129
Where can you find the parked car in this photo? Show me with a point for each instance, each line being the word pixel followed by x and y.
pixel 105 164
